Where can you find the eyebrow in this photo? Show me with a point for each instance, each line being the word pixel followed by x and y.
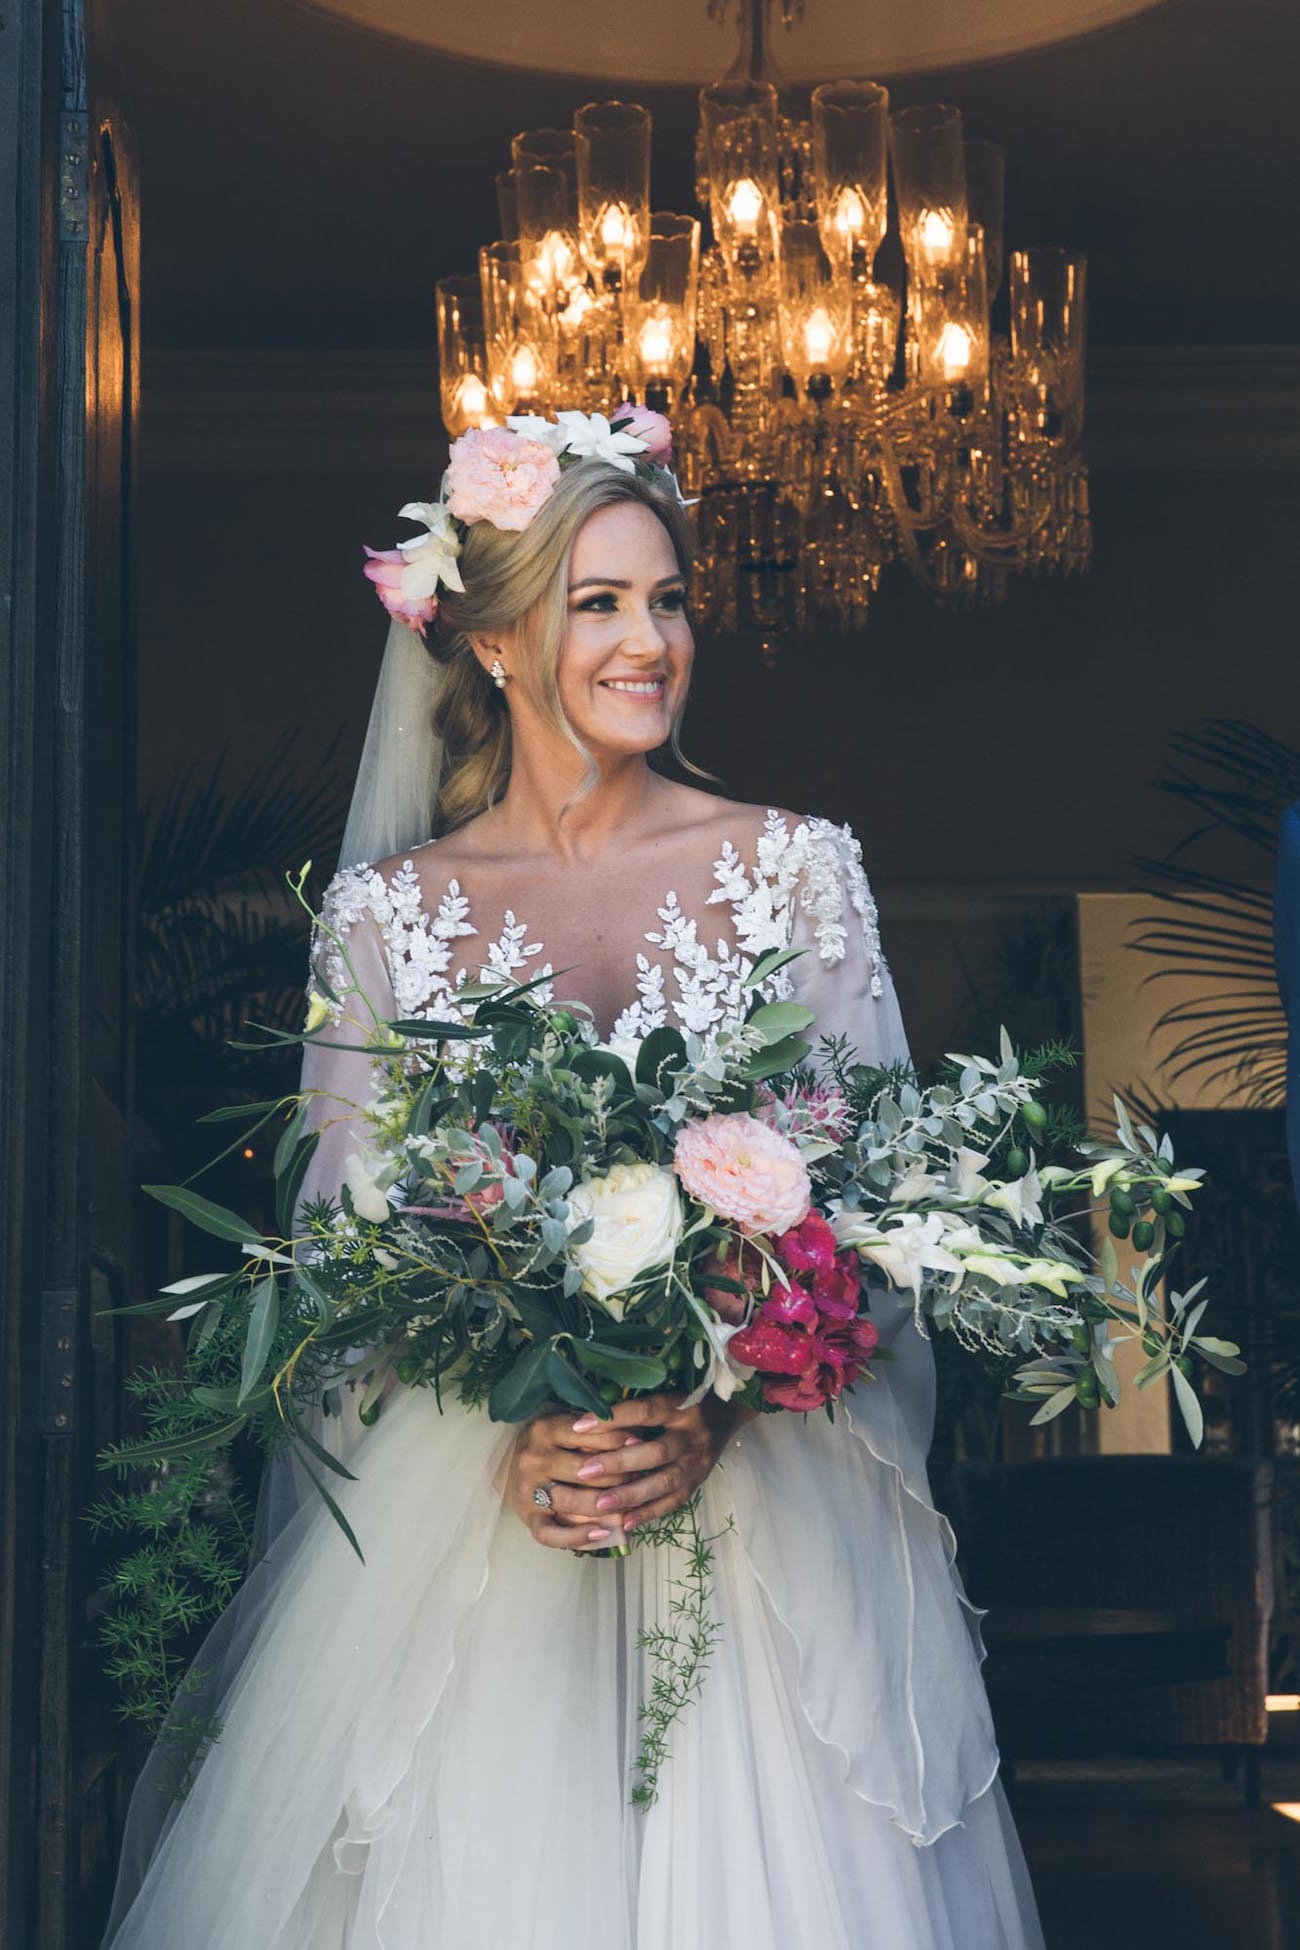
pixel 613 582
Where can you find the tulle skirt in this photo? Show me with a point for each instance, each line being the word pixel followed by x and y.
pixel 435 1750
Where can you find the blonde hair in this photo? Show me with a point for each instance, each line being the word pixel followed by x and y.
pixel 521 580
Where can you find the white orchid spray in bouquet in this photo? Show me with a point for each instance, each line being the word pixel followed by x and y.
pixel 531 1218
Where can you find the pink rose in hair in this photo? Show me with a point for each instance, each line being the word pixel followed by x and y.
pixel 499 476
pixel 385 569
pixel 744 1170
pixel 654 428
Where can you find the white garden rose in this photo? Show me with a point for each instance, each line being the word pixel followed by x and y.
pixel 638 1219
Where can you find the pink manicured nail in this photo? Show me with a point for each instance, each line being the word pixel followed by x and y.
pixel 584 1423
pixel 597 1536
pixel 631 1441
pixel 630 1523
pixel 609 1502
pixel 592 1468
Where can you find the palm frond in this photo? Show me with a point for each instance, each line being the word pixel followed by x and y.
pixel 1216 929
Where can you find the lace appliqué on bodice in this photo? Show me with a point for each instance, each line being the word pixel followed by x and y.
pixel 816 867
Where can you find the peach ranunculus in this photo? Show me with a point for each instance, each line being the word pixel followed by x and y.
pixel 499 476
pixel 643 422
pixel 745 1170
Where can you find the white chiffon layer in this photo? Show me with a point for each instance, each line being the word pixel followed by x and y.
pixel 435 1750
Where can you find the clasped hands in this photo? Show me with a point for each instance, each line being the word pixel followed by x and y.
pixel 607 1477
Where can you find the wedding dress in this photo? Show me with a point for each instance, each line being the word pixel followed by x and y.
pixel 434 1750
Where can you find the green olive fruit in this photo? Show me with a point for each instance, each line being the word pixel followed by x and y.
pixel 1017 1162
pixel 1161 1200
pixel 1143 1234
pixel 1119 1224
pixel 1151 1343
pixel 1033 1114
pixel 369 1416
pixel 1183 1363
pixel 1080 1338
pixel 609 1390
pixel 565 1021
pixel 408 1369
pixel 1175 1224
pixel 1087 1388
pixel 1123 1202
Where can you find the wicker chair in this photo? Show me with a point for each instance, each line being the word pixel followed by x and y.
pixel 1184 1537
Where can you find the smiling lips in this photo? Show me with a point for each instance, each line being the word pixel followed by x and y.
pixel 634 686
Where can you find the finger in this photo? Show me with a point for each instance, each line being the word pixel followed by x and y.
pixel 641 1411
pixel 615 1464
pixel 556 1535
pixel 664 1507
pixel 591 1441
pixel 642 1490
pixel 576 1502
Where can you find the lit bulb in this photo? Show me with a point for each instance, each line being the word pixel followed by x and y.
pixel 473 397
pixel 954 351
pixel 745 205
pixel 523 370
pixel 819 336
pixel 655 344
pixel 616 228
pixel 577 304
pixel 850 214
pixel 555 257
pixel 934 234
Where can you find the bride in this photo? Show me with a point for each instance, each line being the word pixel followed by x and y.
pixel 433 1749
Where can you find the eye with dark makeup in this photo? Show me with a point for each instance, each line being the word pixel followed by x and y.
pixel 606 601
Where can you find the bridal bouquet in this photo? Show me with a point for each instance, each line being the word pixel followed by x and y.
pixel 532 1218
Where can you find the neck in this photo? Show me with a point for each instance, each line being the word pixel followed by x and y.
pixel 545 809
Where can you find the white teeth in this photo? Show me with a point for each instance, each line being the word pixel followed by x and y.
pixel 644 689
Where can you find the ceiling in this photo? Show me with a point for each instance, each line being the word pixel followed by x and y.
pixel 305 180
pixel 677 41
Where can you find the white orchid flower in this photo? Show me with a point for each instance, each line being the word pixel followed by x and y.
pixel 917 1183
pixel 1103 1173
pixel 1003 1272
pixel 914 1244
pixel 430 558
pixel 721 1374
pixel 1055 1275
pixel 531 426
pixel 368 1179
pixel 1019 1199
pixel 590 437
pixel 964 1176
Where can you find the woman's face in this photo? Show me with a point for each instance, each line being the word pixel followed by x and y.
pixel 626 661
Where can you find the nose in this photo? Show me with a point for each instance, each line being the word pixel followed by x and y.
pixel 645 633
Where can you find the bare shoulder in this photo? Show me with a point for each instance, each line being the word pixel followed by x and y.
pixel 710 817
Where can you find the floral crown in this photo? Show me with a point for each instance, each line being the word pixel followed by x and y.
pixel 503 475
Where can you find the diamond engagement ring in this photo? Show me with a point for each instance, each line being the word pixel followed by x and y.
pixel 542 1497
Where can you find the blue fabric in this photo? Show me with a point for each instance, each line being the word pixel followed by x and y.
pixel 1286 942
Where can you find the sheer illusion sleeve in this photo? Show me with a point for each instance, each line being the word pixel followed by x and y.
pixel 347 951
pixel 843 974
pixel 836 1519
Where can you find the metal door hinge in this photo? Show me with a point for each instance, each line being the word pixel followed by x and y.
pixel 58 1360
pixel 74 177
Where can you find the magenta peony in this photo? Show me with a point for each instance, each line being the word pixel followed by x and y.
pixel 385 569
pixel 744 1170
pixel 499 476
pixel 645 424
pixel 803 1366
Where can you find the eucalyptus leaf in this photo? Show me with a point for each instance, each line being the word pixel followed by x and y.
pixel 201 1212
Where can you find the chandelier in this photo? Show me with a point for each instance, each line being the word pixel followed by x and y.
pixel 839 400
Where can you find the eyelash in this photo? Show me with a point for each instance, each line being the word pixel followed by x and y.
pixel 675 598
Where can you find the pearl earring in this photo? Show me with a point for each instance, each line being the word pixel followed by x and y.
pixel 498 673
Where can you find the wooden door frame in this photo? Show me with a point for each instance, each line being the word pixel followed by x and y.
pixel 59 152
